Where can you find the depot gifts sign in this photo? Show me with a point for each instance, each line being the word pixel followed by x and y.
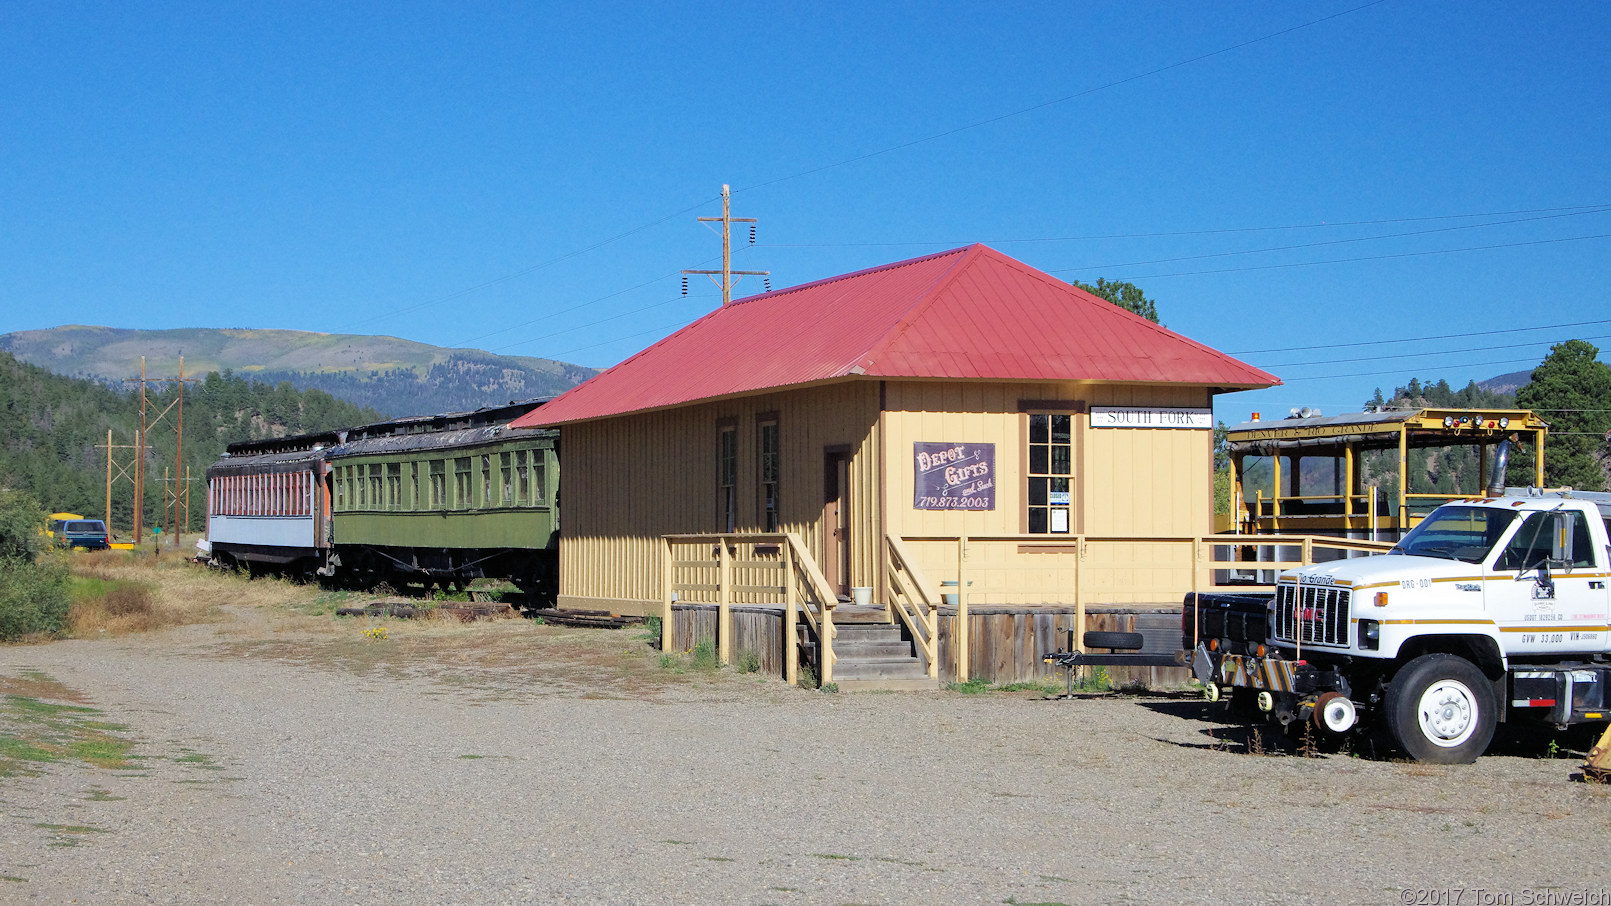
pixel 954 476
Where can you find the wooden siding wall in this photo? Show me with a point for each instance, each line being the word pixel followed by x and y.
pixel 1128 482
pixel 1007 645
pixel 630 480
pixel 757 631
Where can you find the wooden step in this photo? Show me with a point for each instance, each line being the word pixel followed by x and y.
pixel 865 613
pixel 868 668
pixel 856 649
pixel 925 684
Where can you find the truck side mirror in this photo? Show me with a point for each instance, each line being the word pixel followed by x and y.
pixel 1561 525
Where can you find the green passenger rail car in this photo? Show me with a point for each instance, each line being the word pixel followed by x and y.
pixel 442 500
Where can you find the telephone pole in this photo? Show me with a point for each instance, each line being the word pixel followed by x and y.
pixel 140 441
pixel 122 471
pixel 727 273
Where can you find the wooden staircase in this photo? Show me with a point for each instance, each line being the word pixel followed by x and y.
pixel 873 654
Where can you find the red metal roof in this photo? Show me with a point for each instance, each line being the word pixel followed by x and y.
pixel 970 313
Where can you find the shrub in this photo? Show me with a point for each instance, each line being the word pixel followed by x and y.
pixel 22 522
pixel 33 598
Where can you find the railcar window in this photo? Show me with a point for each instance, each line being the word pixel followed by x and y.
pixel 523 476
pixel 486 479
pixel 438 482
pixel 461 482
pixel 394 485
pixel 413 485
pixel 374 486
pixel 506 478
pixel 540 478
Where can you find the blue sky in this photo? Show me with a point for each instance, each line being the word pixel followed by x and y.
pixel 525 178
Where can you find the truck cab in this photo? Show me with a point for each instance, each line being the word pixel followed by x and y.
pixel 83 534
pixel 1491 609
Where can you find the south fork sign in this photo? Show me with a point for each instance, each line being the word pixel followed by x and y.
pixel 1151 417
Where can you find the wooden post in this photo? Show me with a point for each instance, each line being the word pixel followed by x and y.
pixel 1196 552
pixel 1348 488
pixel 964 660
pixel 724 603
pixel 827 641
pixel 791 618
pixel 667 596
pixel 1079 596
pixel 109 481
pixel 1403 478
pixel 1538 458
pixel 1275 493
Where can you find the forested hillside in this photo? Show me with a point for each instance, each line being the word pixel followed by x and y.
pixel 53 431
pixel 391 375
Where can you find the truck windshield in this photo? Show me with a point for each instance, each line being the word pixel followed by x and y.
pixel 1457 533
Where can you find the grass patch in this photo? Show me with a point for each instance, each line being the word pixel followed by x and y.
pixel 1096 681
pixel 973 686
pixel 703 657
pixel 35 731
pixel 69 834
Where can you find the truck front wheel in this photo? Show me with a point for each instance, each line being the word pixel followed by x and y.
pixel 1440 709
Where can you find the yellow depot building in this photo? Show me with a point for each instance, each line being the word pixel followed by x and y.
pixel 951 456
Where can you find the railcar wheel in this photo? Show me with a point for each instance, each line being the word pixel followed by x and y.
pixel 1440 709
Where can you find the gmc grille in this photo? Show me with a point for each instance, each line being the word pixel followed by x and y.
pixel 1322 613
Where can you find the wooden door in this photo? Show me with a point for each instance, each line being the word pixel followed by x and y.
pixel 836 519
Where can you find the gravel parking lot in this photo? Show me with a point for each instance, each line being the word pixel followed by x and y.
pixel 514 763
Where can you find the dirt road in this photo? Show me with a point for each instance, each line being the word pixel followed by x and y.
pixel 530 764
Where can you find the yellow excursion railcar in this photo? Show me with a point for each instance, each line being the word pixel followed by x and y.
pixel 1276 487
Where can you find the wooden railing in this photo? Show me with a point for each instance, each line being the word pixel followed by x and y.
pixel 1209 559
pixel 776 569
pixel 912 599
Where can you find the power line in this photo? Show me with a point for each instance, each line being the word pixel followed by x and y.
pixel 579 306
pixel 1310 245
pixel 893 148
pixel 1066 98
pixel 1268 267
pixel 1446 336
pixel 529 270
pixel 1355 374
pixel 1416 355
pixel 1169 234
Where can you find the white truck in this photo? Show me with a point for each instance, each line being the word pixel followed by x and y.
pixel 1492 609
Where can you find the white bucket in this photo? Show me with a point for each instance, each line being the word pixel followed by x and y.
pixel 861 596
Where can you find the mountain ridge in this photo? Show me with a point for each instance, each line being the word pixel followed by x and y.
pixel 392 375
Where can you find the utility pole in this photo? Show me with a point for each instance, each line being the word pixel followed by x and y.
pixel 727 273
pixel 140 442
pixel 122 471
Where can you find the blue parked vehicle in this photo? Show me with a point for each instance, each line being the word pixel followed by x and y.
pixel 85 534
